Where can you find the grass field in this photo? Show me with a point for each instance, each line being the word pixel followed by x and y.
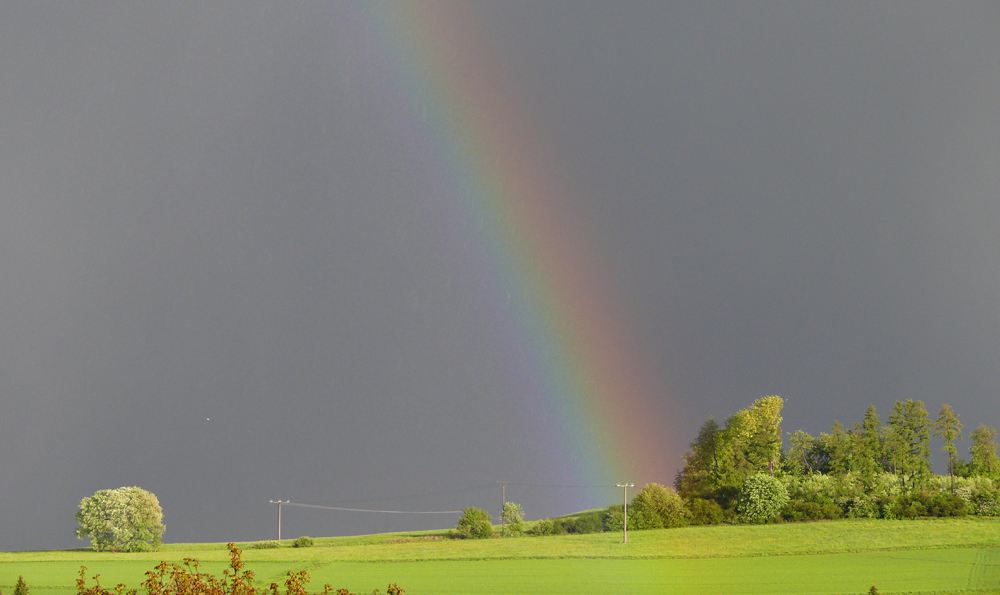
pixel 924 556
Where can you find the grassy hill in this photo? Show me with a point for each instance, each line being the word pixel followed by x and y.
pixel 927 555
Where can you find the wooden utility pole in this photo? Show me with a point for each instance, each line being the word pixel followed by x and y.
pixel 626 486
pixel 503 503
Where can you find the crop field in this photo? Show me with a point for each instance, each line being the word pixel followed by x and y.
pixel 925 556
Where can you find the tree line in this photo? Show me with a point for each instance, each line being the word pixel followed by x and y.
pixel 874 469
pixel 741 471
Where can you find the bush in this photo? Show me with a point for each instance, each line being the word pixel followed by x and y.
pixel 988 508
pixel 266 545
pixel 860 507
pixel 761 498
pixel 21 588
pixel 167 579
pixel 588 522
pixel 303 542
pixel 542 527
pixel 797 510
pixel 614 518
pixel 657 507
pixel 475 524
pixel 947 505
pixel 704 512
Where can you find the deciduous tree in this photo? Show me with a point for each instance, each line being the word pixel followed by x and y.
pixel 947 427
pixel 513 518
pixel 128 519
pixel 984 451
pixel 721 459
pixel 909 438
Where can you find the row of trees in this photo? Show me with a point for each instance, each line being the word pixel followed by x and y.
pixel 873 469
pixel 723 457
pixel 739 471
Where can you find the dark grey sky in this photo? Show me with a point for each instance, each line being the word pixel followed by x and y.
pixel 226 277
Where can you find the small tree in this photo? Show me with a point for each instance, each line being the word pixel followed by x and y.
pixel 513 518
pixel 475 524
pixel 128 519
pixel 761 498
pixel 20 588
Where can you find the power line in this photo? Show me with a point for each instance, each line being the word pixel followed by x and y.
pixel 421 495
pixel 544 485
pixel 368 510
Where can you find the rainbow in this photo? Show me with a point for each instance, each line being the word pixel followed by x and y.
pixel 520 208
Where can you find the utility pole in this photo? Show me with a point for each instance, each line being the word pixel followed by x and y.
pixel 626 486
pixel 503 498
pixel 279 503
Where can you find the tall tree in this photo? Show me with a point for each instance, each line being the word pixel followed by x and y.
pixel 701 474
pixel 867 439
pixel 838 446
pixel 984 451
pixel 801 457
pixel 947 427
pixel 722 459
pixel 909 437
pixel 754 437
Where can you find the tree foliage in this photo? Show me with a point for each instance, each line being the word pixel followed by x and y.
pixel 513 518
pixel 761 498
pixel 475 524
pixel 722 458
pixel 21 588
pixel 984 451
pixel 947 427
pixel 128 519
pixel 657 507
pixel 908 441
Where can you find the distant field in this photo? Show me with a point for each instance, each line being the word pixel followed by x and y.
pixel 928 556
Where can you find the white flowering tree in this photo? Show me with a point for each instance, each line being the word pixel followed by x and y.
pixel 128 519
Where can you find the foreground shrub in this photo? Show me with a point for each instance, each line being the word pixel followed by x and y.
pixel 304 542
pixel 21 588
pixel 475 524
pixel 761 499
pixel 188 579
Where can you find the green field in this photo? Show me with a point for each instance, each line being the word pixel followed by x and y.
pixel 925 556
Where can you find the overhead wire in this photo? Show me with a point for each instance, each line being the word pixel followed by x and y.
pixel 370 510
